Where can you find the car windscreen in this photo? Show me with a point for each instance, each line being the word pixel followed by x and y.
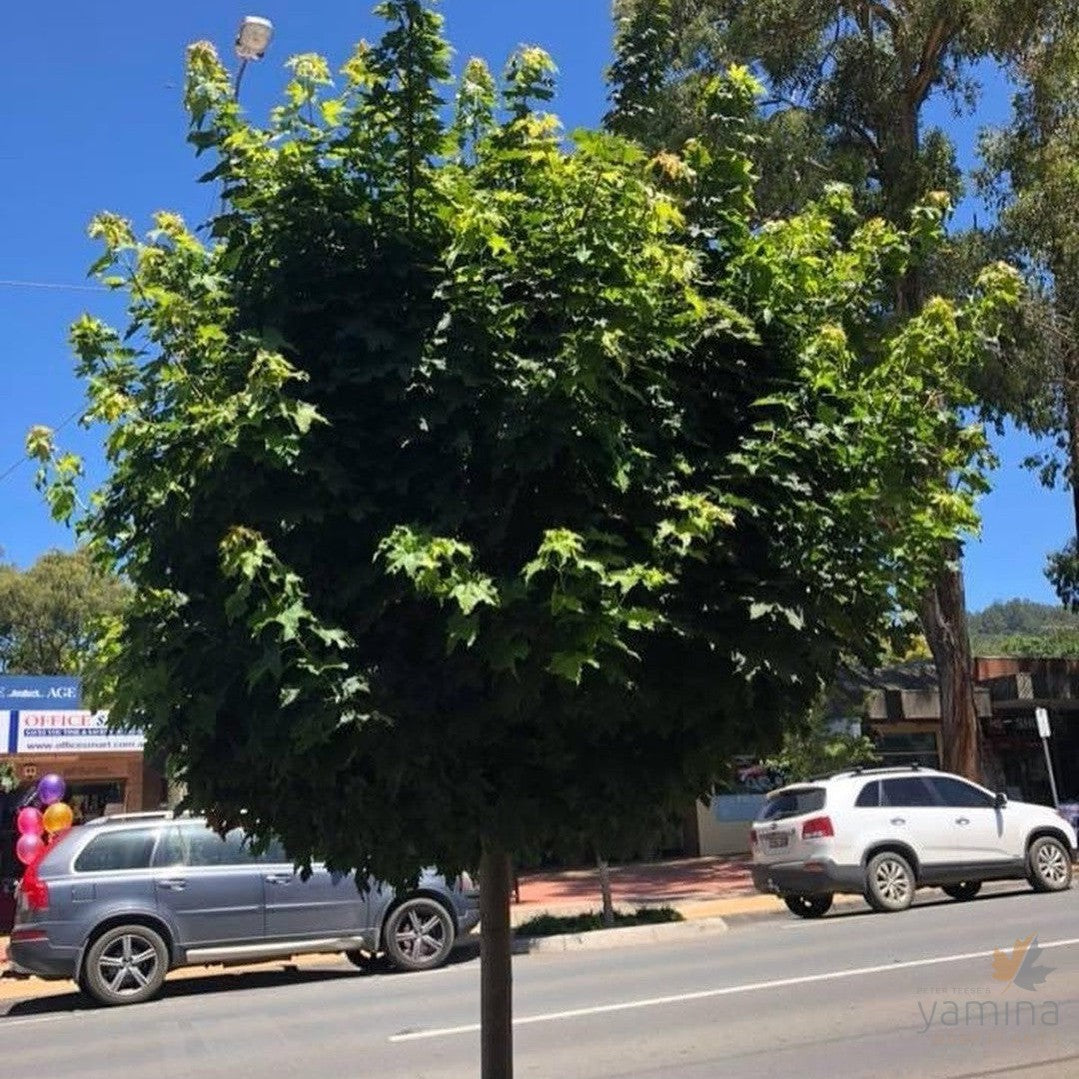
pixel 792 802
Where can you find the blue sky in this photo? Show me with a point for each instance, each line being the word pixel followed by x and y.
pixel 94 121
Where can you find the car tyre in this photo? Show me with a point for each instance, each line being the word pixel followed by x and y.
pixel 419 934
pixel 1049 865
pixel 966 889
pixel 889 882
pixel 809 906
pixel 125 965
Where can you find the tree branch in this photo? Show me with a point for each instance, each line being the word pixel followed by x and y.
pixel 866 137
pixel 929 63
pixel 888 17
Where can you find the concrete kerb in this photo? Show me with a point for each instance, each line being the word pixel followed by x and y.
pixel 627 936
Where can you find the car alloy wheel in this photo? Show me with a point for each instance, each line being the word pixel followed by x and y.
pixel 889 882
pixel 125 965
pixel 419 934
pixel 1050 865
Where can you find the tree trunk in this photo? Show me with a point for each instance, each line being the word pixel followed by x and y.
pixel 603 868
pixel 944 622
pixel 944 619
pixel 496 973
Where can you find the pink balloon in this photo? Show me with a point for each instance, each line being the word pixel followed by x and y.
pixel 30 821
pixel 29 849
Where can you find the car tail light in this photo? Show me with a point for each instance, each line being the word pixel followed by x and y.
pixel 753 837
pixel 818 828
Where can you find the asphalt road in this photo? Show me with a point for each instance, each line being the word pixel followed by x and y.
pixel 851 995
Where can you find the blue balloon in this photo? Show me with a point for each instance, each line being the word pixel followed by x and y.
pixel 50 789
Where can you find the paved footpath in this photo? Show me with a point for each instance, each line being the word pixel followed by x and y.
pixel 642 883
pixel 696 887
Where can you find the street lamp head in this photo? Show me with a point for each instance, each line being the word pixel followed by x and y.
pixel 253 38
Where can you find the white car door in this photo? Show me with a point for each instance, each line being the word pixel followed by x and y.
pixel 911 811
pixel 981 829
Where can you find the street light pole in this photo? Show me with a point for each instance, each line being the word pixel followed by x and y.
pixel 252 40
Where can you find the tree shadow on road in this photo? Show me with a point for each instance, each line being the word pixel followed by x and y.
pixel 216 980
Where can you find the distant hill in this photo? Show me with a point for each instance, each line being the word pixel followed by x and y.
pixel 1021 616
pixel 1023 627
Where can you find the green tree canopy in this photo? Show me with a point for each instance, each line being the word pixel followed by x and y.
pixel 847 82
pixel 50 614
pixel 818 746
pixel 1032 176
pixel 481 493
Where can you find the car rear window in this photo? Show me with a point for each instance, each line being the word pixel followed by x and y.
pixel 127 849
pixel 869 795
pixel 58 854
pixel 792 802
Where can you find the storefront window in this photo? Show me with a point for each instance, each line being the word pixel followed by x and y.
pixel 919 747
pixel 90 800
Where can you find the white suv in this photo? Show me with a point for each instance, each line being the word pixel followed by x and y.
pixel 884 832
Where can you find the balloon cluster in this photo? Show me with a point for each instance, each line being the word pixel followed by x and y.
pixel 38 828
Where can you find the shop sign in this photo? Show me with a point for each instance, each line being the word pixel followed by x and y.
pixel 40 691
pixel 69 732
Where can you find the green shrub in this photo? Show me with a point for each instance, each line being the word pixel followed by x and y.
pixel 548 925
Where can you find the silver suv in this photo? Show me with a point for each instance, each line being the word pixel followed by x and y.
pixel 123 900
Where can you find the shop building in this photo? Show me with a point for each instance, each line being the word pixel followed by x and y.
pixel 43 729
pixel 902 712
pixel 1014 757
pixel 899 708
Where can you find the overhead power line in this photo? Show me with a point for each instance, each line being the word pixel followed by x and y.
pixel 26 457
pixel 55 286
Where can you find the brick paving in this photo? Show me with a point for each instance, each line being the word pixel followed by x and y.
pixel 641 883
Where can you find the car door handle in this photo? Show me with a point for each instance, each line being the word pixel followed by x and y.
pixel 278 878
pixel 962 820
pixel 899 820
pixel 173 884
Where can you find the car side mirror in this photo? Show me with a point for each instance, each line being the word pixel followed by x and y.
pixel 1001 800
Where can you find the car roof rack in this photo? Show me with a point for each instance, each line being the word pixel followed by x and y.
pixel 123 818
pixel 858 770
pixel 878 769
pixel 863 770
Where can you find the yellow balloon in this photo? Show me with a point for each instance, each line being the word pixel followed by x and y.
pixel 58 817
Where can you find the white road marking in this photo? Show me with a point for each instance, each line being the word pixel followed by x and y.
pixel 728 990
